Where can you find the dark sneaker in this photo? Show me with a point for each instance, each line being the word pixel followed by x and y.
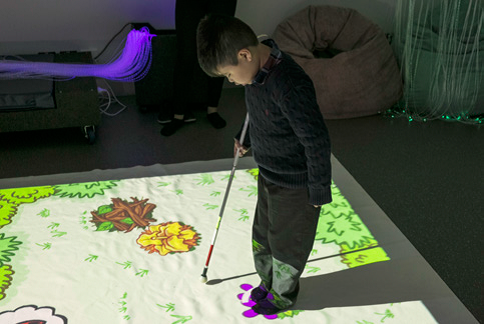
pixel 258 293
pixel 265 307
pixel 171 128
pixel 216 121
pixel 163 118
pixel 189 117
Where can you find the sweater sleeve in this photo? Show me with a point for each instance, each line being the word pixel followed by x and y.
pixel 302 111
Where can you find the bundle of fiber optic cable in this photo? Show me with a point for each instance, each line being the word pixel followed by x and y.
pixel 128 65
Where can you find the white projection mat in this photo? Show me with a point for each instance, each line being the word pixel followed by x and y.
pixel 132 251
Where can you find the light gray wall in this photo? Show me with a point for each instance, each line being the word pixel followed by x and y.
pixel 32 26
pixel 28 27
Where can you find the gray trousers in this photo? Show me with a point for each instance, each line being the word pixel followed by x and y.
pixel 283 234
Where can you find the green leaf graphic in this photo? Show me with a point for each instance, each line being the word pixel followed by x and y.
pixel 44 213
pixel 252 190
pixel 170 307
pixel 105 226
pixel 104 209
pixel 127 220
pixel 182 319
pixel 205 179
pixel 45 246
pixel 91 258
pixel 210 206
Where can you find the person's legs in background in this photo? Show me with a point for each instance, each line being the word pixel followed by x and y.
pixel 215 85
pixel 187 16
pixel 214 92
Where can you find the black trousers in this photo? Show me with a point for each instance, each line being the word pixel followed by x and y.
pixel 283 235
pixel 187 16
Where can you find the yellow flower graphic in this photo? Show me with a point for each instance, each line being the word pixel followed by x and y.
pixel 171 237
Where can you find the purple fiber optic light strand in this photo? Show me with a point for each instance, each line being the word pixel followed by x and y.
pixel 131 65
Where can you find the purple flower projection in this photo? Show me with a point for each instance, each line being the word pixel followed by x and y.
pixel 132 64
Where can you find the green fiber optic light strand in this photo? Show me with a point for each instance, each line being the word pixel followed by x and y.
pixel 439 47
pixel 413 116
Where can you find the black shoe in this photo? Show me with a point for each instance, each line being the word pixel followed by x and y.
pixel 265 307
pixel 258 293
pixel 171 128
pixel 216 121
pixel 189 117
pixel 163 118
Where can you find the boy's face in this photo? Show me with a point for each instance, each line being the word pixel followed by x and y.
pixel 244 72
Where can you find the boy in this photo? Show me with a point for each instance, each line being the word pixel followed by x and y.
pixel 290 144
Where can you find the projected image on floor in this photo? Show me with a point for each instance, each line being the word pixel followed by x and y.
pixel 123 251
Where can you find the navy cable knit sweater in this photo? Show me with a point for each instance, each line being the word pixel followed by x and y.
pixel 287 133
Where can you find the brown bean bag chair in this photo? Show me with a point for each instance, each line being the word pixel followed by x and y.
pixel 348 58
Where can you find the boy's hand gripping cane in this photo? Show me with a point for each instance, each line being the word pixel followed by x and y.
pixel 203 278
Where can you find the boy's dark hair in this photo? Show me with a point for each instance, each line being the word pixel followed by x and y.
pixel 219 40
